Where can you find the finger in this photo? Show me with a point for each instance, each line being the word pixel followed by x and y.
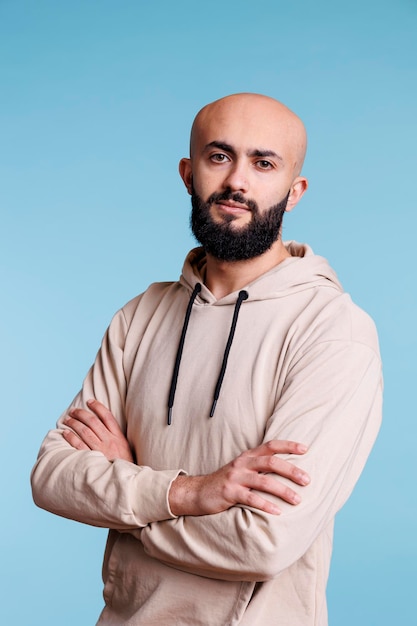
pixel 281 446
pixel 277 446
pixel 267 484
pixel 74 440
pixel 89 420
pixel 83 430
pixel 281 467
pixel 267 465
pixel 255 501
pixel 105 415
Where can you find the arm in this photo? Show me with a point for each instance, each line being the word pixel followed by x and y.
pixel 235 483
pixel 232 514
pixel 98 430
pixel 340 423
pixel 83 484
pixel 243 481
pixel 86 471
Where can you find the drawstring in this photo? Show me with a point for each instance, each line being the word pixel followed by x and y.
pixel 243 295
pixel 195 293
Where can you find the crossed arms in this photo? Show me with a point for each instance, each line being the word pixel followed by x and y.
pixel 87 473
pixel 236 483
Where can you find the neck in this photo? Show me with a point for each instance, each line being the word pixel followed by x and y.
pixel 224 277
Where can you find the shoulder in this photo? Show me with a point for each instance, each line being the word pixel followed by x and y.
pixel 130 322
pixel 147 302
pixel 341 320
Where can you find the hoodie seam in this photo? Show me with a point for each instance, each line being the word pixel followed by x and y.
pixel 353 342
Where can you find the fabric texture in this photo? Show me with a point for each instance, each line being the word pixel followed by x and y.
pixel 304 365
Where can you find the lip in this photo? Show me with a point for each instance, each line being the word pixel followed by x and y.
pixel 233 207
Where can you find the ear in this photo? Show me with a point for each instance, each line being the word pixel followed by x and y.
pixel 186 174
pixel 298 188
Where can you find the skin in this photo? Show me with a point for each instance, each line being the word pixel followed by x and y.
pixel 253 145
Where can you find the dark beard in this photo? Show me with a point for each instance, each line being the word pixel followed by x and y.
pixel 224 242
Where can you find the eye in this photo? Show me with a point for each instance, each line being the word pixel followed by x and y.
pixel 219 157
pixel 264 165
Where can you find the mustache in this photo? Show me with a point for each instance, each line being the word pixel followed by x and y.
pixel 234 197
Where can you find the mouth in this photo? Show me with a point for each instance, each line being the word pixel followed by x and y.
pixel 233 208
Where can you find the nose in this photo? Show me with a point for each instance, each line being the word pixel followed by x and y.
pixel 237 178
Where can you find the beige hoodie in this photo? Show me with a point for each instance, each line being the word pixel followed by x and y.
pixel 303 365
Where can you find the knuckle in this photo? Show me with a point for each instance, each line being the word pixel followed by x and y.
pixel 262 482
pixel 270 446
pixel 288 493
pixel 294 472
pixel 83 429
pixel 270 463
pixel 230 474
pixel 252 499
pixel 227 493
pixel 241 459
pixel 235 466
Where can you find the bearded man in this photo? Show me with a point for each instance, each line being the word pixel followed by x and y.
pixel 229 414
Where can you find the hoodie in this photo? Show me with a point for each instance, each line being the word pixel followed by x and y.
pixel 288 357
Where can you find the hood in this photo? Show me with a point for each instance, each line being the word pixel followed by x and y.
pixel 304 270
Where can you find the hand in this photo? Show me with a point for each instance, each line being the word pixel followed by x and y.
pixel 97 430
pixel 236 482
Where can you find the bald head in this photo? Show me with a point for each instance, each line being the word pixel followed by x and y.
pixel 260 118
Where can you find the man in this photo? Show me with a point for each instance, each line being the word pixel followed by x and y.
pixel 182 440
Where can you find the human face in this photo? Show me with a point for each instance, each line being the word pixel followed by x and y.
pixel 242 151
pixel 226 243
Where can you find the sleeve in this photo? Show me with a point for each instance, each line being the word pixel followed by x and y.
pixel 84 485
pixel 332 402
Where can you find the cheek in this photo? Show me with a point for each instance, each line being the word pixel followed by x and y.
pixel 270 196
pixel 205 183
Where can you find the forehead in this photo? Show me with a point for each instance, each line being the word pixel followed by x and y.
pixel 246 126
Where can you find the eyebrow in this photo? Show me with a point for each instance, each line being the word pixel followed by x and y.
pixel 221 145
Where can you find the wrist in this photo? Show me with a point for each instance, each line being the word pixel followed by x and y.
pixel 183 496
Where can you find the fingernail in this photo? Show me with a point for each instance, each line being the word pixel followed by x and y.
pixel 296 499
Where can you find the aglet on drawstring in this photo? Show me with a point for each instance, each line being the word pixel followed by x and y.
pixel 243 295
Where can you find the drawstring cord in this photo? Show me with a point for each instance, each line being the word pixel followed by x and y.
pixel 243 295
pixel 195 293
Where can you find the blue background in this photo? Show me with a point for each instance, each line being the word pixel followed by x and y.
pixel 96 103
